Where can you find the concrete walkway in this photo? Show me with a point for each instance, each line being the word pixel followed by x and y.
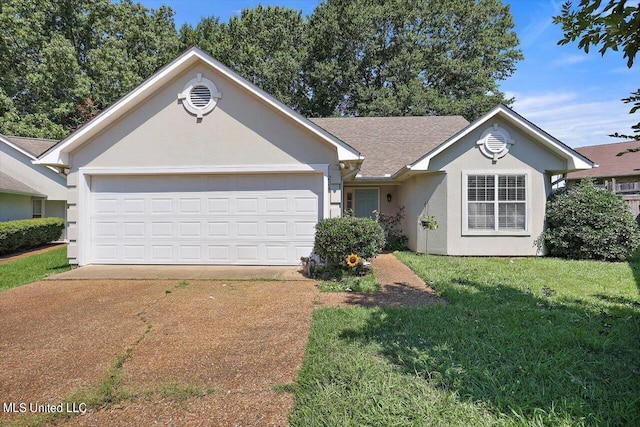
pixel 181 272
pixel 399 287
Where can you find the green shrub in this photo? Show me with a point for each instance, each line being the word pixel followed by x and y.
pixel 338 237
pixel 586 222
pixel 390 223
pixel 28 233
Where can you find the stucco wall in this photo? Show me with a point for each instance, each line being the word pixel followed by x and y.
pixel 524 156
pixel 40 178
pixel 425 194
pixel 15 206
pixel 241 131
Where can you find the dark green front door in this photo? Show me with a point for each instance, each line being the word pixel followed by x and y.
pixel 366 201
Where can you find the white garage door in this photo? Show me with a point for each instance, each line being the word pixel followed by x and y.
pixel 203 219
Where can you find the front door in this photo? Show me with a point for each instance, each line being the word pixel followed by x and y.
pixel 366 202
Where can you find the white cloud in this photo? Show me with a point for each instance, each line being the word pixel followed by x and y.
pixel 540 20
pixel 571 59
pixel 575 121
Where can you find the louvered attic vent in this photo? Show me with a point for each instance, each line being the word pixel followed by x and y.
pixel 199 96
pixel 495 142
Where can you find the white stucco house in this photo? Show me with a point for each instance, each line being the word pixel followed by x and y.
pixel 28 190
pixel 199 166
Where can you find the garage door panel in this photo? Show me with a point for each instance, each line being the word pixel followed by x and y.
pixel 190 229
pixel 133 205
pixel 190 205
pixel 136 220
pixel 160 229
pixel 162 253
pixel 219 205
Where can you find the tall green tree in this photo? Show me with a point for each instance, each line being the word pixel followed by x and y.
pixel 62 61
pixel 614 25
pixel 265 45
pixel 408 57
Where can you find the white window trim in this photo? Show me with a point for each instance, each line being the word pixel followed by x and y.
pixel 465 205
pixel 35 199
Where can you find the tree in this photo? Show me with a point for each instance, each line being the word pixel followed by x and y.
pixel 265 45
pixel 615 26
pixel 408 57
pixel 62 61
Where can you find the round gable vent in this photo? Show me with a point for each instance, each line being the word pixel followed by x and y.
pixel 495 142
pixel 199 96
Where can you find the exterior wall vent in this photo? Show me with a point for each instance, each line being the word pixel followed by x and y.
pixel 199 96
pixel 495 142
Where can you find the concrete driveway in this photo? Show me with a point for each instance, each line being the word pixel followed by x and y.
pixel 184 272
pixel 173 352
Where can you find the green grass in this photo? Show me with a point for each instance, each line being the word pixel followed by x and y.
pixel 33 268
pixel 366 283
pixel 522 342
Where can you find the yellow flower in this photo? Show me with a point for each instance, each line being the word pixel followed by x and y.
pixel 353 260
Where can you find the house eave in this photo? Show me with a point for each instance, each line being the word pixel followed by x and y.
pixel 58 155
pixel 575 161
pixel 22 193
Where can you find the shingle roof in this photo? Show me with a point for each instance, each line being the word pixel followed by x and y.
pixel 390 143
pixel 11 185
pixel 610 164
pixel 34 146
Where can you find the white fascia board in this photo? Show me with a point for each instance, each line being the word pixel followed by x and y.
pixel 575 161
pixel 59 155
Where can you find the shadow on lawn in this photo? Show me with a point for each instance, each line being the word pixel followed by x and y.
pixel 634 264
pixel 519 353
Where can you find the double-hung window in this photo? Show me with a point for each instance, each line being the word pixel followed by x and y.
pixel 36 208
pixel 496 202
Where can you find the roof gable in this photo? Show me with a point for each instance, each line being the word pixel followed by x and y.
pixel 575 160
pixel 59 155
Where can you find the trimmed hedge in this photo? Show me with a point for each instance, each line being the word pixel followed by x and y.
pixel 28 233
pixel 586 222
pixel 336 238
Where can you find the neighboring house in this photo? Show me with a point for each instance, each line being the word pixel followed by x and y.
pixel 618 173
pixel 199 166
pixel 28 190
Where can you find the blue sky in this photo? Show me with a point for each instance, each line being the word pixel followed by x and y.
pixel 572 95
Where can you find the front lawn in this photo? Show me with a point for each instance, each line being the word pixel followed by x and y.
pixel 522 342
pixel 32 268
